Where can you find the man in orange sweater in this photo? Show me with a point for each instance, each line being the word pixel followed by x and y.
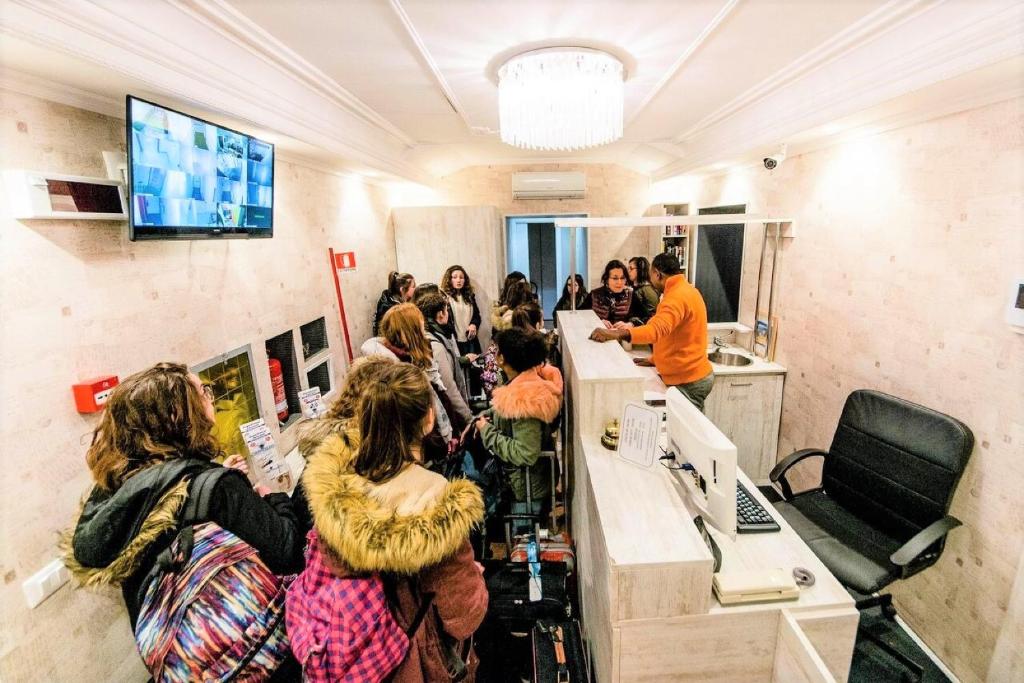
pixel 678 331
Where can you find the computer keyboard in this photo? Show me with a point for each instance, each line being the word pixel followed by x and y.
pixel 751 517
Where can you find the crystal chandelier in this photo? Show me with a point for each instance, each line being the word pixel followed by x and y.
pixel 562 98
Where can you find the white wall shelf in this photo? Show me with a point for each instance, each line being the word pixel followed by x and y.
pixel 57 196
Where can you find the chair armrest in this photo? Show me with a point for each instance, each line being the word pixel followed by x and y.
pixel 922 540
pixel 777 475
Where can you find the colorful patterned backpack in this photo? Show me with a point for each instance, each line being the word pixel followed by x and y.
pixel 217 612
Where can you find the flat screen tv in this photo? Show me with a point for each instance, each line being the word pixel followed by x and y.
pixel 191 179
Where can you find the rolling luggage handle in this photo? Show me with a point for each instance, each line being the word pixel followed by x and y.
pixel 525 516
pixel 557 639
pixel 559 653
pixel 529 516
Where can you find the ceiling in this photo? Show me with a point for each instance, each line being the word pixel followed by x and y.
pixel 406 88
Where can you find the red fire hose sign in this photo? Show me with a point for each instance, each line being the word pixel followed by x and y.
pixel 345 260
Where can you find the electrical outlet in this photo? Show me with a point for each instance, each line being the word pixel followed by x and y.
pixel 45 583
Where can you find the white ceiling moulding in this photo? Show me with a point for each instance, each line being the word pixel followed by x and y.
pixel 173 51
pixel 934 103
pixel 61 93
pixel 885 18
pixel 237 27
pixel 424 54
pixel 948 40
pixel 715 22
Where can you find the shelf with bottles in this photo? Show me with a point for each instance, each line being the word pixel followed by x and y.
pixel 673 231
pixel 678 248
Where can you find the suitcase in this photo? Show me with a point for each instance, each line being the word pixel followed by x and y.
pixel 556 549
pixel 565 662
pixel 509 591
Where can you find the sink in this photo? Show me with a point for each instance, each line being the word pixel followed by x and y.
pixel 729 358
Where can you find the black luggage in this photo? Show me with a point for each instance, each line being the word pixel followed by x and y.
pixel 558 653
pixel 503 640
pixel 510 595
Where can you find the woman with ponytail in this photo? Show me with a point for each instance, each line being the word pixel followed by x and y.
pixel 386 526
pixel 401 288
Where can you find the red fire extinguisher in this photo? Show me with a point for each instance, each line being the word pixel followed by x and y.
pixel 277 382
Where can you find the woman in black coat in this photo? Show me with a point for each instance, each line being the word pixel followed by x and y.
pixel 154 439
pixel 401 288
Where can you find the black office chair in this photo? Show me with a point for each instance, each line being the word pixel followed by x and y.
pixel 887 481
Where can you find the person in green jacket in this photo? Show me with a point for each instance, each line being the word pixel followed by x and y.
pixel 518 422
pixel 643 290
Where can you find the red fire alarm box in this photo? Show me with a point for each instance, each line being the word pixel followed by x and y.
pixel 91 394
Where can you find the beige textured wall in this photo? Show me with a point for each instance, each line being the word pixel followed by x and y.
pixel 611 191
pixel 897 280
pixel 430 239
pixel 78 300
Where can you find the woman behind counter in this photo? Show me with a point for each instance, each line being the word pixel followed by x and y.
pixel 643 290
pixel 579 292
pixel 613 301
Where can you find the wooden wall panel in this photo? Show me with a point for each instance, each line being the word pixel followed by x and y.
pixel 429 239
pixel 611 191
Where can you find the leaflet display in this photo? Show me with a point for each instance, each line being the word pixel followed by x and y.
pixel 266 465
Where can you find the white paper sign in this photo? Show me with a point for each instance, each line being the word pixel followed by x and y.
pixel 264 462
pixel 311 403
pixel 638 434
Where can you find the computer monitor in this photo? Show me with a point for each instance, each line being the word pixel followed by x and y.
pixel 692 438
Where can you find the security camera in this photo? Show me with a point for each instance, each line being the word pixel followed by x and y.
pixel 772 161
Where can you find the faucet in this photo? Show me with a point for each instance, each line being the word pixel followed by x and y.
pixel 719 343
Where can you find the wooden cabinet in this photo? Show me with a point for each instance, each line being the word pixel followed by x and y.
pixel 747 409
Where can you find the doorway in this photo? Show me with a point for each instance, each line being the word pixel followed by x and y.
pixel 536 248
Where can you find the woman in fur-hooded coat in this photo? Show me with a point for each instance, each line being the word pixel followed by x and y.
pixel 517 424
pixel 412 528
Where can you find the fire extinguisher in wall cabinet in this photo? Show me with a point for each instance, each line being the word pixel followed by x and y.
pixel 277 382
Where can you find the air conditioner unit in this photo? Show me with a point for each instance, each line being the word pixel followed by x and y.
pixel 555 185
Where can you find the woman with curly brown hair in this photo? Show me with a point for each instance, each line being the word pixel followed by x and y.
pixel 153 444
pixel 465 313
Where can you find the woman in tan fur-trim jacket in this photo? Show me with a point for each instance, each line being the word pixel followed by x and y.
pixel 376 509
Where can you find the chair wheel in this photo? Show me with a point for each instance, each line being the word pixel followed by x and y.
pixel 889 611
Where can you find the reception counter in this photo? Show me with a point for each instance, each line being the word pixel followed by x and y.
pixel 648 611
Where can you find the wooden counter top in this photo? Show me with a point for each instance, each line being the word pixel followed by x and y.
pixel 591 360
